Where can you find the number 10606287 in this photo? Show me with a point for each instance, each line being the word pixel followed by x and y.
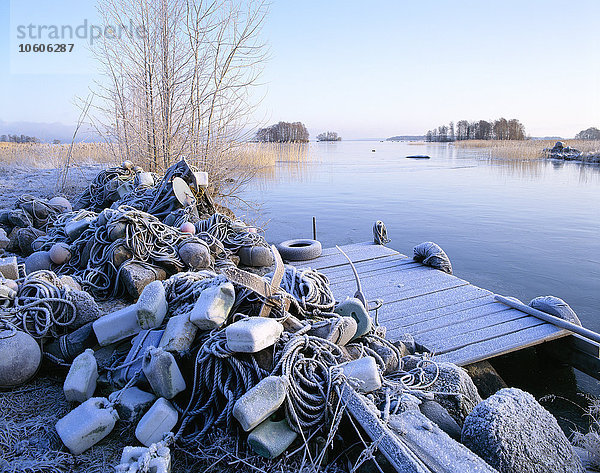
pixel 46 48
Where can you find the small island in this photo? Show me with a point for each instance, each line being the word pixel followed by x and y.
pixel 329 136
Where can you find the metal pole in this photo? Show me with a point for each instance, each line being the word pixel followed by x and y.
pixel 314 228
pixel 578 329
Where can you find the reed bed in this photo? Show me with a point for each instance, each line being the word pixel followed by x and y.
pixel 528 149
pixel 46 156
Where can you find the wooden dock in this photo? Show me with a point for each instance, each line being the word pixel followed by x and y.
pixel 455 320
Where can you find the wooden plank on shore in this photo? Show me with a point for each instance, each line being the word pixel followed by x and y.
pixel 400 456
pixel 386 263
pixel 502 345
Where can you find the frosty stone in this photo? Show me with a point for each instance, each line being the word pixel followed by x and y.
pixel 253 334
pixel 132 403
pixel 354 308
pixel 117 325
pixel 9 268
pixel 87 424
pixel 37 261
pixel 86 308
pixel 212 307
pixel 152 306
pixel 163 374
pixel 436 413
pixel 363 374
pixel 260 402
pixel 136 277
pixel 4 240
pixel 452 380
pixel 512 432
pixel 80 382
pixel 20 357
pixel 179 334
pixel 159 420
pixel 271 439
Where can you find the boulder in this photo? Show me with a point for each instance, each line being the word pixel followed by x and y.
pixel 86 308
pixel 485 377
pixel 25 238
pixel 136 277
pixel 513 433
pixel 436 413
pixel 454 389
pixel 9 268
pixel 4 240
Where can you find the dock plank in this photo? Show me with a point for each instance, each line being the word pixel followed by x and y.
pixel 502 345
pixel 458 321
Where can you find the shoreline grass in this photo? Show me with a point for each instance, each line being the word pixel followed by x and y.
pixel 530 149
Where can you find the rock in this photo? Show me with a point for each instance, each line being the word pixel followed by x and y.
pixel 195 255
pixel 154 459
pixel 338 330
pixel 213 306
pixel 69 283
pixel 38 261
pixel 362 374
pixel 120 255
pixel 436 413
pixel 132 403
pixel 158 421
pixel 4 240
pixel 513 433
pixel 485 377
pixel 60 253
pixel 26 237
pixel 80 382
pixel 9 268
pixel 252 334
pixel 163 374
pixel 555 306
pixel 462 394
pixel 387 354
pixel 260 402
pixel 86 308
pixel 152 305
pixel 20 218
pixel 270 439
pixel 136 277
pixel 20 358
pixel 87 424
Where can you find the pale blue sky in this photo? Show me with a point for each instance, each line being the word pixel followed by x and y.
pixel 379 68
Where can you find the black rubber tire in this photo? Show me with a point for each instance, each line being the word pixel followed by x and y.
pixel 300 249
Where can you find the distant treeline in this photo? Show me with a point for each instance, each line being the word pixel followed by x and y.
pixel 500 129
pixel 589 134
pixel 283 132
pixel 329 136
pixel 18 139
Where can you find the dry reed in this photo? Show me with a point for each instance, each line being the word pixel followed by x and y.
pixel 526 149
pixel 46 156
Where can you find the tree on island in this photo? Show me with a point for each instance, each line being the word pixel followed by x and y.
pixel 329 136
pixel 501 129
pixel 283 132
pixel 589 134
pixel 18 139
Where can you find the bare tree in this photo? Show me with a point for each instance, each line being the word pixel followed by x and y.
pixel 177 80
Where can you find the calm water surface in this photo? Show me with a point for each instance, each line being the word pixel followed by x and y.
pixel 518 228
